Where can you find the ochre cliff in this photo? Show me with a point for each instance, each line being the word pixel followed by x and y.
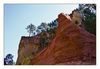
pixel 28 47
pixel 72 45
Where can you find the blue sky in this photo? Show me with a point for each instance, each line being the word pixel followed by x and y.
pixel 18 16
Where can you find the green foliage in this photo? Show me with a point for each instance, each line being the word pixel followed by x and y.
pixel 53 24
pixel 46 33
pixel 43 40
pixel 46 37
pixel 30 29
pixel 8 60
pixel 89 14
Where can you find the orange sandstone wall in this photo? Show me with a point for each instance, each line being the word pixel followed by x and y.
pixel 72 45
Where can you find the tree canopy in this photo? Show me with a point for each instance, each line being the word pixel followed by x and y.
pixel 89 13
pixel 8 60
pixel 31 29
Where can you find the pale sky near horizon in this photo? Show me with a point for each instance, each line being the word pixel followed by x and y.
pixel 18 16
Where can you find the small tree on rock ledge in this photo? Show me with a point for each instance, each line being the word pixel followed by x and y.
pixel 31 29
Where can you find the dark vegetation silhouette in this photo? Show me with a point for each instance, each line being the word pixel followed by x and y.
pixel 30 29
pixel 8 60
pixel 46 32
pixel 88 11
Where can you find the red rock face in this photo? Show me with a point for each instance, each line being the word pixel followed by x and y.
pixel 72 45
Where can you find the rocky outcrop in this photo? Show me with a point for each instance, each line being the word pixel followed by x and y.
pixel 72 45
pixel 28 47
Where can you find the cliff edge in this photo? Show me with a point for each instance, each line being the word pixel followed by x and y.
pixel 72 45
